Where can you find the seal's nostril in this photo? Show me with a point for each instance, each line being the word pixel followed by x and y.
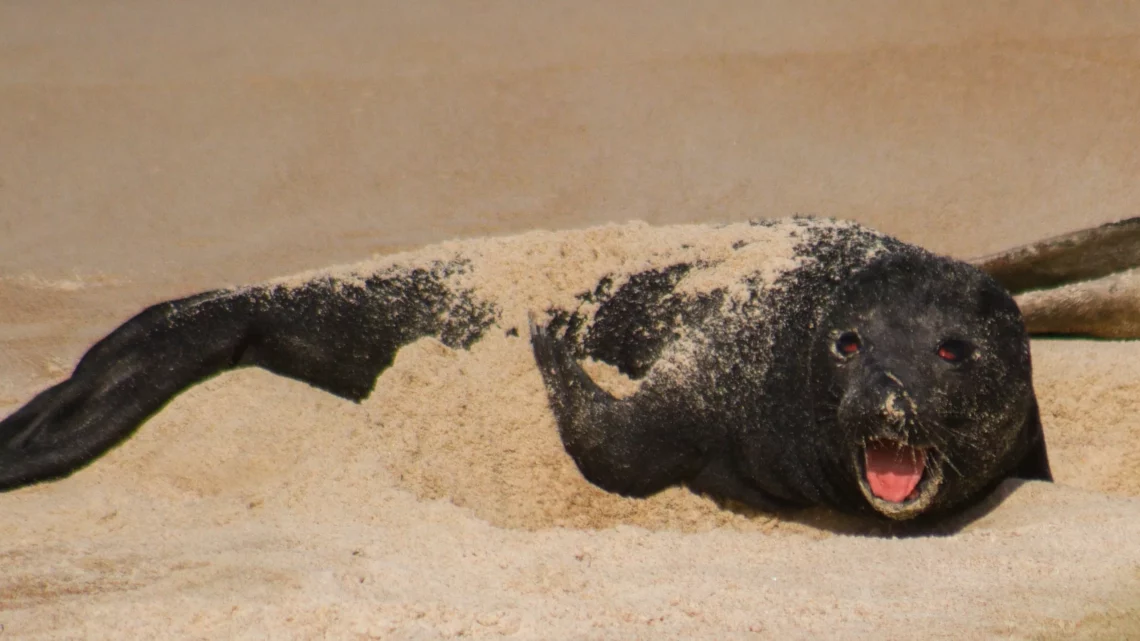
pixel 893 408
pixel 892 405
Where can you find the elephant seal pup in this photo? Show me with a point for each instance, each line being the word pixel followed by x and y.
pixel 780 363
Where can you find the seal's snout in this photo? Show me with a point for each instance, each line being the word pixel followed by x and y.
pixel 877 405
pixel 898 473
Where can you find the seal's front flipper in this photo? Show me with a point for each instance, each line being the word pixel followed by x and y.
pixel 636 446
pixel 1034 464
pixel 332 334
pixel 1083 283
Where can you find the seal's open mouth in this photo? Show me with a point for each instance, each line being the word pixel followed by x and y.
pixel 899 480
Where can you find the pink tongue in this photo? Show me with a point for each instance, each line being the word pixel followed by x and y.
pixel 894 470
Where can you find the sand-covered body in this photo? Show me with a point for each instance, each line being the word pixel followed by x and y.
pixel 732 328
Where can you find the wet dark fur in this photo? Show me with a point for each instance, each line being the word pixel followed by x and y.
pixel 756 420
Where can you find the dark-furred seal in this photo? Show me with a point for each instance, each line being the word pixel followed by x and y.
pixel 850 370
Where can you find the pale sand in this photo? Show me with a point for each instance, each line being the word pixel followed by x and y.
pixel 149 151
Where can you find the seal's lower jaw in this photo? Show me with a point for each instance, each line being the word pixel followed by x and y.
pixel 887 473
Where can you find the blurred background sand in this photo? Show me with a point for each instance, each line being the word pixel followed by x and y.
pixel 153 149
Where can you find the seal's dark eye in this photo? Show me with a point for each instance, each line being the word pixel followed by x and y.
pixel 954 350
pixel 848 344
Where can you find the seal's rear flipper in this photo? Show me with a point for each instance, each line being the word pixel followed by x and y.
pixel 1082 283
pixel 335 335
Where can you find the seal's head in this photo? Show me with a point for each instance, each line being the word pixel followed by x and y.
pixel 924 366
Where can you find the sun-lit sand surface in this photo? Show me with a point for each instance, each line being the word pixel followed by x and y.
pixel 151 150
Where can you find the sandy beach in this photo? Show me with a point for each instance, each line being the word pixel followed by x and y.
pixel 152 150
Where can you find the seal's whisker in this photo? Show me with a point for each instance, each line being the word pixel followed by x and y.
pixel 944 449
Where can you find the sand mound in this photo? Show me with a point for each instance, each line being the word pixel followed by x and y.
pixel 255 503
